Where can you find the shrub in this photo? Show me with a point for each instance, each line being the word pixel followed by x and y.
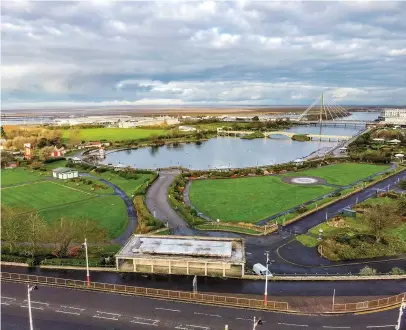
pixel 367 271
pixel 397 271
pixel 302 209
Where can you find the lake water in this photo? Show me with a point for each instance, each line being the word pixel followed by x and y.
pixel 225 152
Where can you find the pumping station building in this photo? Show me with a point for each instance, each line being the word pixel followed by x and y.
pixel 182 255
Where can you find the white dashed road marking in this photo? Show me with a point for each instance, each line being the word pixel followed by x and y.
pixel 191 327
pixel 141 320
pixel 381 326
pixel 212 315
pixel 332 327
pixel 107 316
pixel 294 325
pixel 167 309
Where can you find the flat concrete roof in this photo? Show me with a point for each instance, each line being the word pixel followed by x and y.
pixel 179 247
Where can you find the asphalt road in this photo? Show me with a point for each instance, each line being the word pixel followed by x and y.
pixel 361 289
pixel 158 204
pixel 56 308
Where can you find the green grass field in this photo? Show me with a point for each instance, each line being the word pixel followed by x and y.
pixel 116 134
pixel 129 186
pixel 18 175
pixel 109 211
pixel 41 195
pixel 343 174
pixel 249 199
pixel 56 199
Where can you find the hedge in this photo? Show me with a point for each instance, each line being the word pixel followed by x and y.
pixel 146 221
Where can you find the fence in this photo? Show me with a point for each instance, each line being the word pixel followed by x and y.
pixel 369 305
pixel 149 292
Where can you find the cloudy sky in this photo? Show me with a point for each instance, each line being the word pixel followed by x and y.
pixel 208 53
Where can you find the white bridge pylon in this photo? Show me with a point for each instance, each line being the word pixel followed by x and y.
pixel 324 111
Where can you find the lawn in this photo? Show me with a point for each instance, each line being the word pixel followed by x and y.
pixel 109 211
pixel 250 199
pixel 18 175
pixel 116 134
pixel 54 200
pixel 42 195
pixel 343 174
pixel 128 185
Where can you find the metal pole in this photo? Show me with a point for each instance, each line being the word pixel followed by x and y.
pixel 29 306
pixel 266 279
pixel 87 264
pixel 334 298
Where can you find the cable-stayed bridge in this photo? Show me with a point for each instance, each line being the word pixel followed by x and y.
pixel 328 113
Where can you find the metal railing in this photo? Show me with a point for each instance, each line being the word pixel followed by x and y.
pixel 149 292
pixel 370 305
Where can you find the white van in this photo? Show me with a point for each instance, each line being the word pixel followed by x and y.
pixel 260 269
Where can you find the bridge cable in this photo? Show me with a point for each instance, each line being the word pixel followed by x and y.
pixel 308 109
pixel 331 111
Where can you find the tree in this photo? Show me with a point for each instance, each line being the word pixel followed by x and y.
pixel 45 153
pixel 12 229
pixel 255 118
pixel 379 218
pixel 3 134
pixel 74 135
pixel 6 158
pixel 65 231
pixel 401 202
pixel 36 229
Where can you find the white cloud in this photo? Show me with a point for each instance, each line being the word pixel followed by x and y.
pixel 209 52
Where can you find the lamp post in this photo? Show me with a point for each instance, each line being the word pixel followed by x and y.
pixel 29 289
pixel 266 278
pixel 87 263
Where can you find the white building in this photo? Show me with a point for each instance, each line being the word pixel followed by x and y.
pixel 64 173
pixel 394 116
pixel 182 255
pixel 187 128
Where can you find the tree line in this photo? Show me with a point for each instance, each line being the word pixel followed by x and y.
pixel 25 231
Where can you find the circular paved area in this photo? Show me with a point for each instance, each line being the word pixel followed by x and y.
pixel 304 180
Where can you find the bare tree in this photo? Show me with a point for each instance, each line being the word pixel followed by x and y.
pixel 65 231
pixel 12 229
pixel 36 229
pixel 45 153
pixel 381 217
pixel 74 135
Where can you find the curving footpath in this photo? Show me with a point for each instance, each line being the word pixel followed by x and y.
pixel 132 215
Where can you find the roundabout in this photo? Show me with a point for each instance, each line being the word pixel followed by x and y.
pixel 304 180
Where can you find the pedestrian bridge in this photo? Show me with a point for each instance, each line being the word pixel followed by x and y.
pixel 325 137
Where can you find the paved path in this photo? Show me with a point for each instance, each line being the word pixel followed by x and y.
pixel 157 203
pixel 58 308
pixel 132 215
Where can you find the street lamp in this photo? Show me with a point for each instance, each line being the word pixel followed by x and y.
pixel 29 289
pixel 266 278
pixel 87 263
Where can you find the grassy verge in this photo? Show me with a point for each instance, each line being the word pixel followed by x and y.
pixel 216 227
pixel 18 176
pixel 116 134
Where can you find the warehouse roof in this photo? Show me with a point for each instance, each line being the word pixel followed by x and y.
pixel 175 247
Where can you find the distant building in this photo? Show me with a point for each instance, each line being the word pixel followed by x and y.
pixel 187 128
pixel 64 173
pixel 28 151
pixel 57 152
pixel 102 152
pixel 13 164
pixel 394 116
